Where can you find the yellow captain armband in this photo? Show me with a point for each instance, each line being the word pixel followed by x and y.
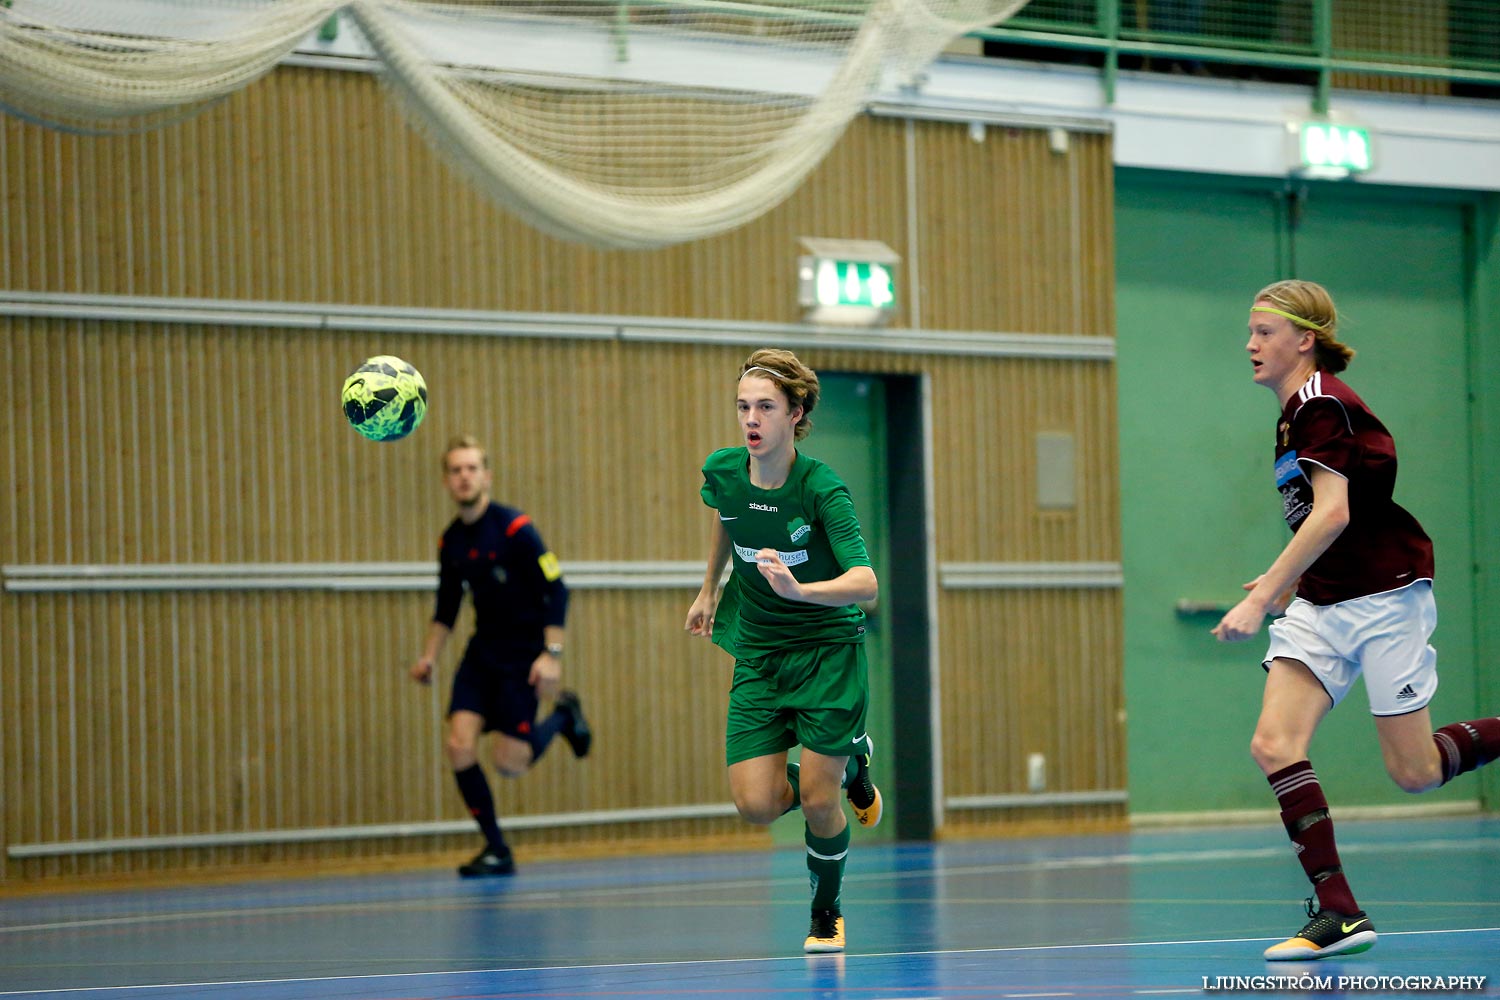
pixel 550 567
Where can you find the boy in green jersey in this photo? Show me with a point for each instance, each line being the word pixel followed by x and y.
pixel 789 616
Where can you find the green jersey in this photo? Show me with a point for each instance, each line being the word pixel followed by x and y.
pixel 810 521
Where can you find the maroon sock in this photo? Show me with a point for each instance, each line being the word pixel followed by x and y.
pixel 1464 746
pixel 1304 812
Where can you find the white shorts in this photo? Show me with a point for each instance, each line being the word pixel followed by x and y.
pixel 1383 635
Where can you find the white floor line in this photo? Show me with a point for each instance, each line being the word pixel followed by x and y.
pixel 800 959
pixel 532 896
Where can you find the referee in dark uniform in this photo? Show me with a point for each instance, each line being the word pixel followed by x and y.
pixel 513 661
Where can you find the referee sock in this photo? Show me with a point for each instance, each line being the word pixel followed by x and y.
pixel 825 867
pixel 1464 746
pixel 1304 813
pixel 541 734
pixel 475 788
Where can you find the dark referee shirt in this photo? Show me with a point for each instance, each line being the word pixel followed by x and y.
pixel 515 581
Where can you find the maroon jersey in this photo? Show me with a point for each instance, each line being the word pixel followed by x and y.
pixel 1383 547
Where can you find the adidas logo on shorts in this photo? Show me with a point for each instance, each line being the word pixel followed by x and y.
pixel 1406 693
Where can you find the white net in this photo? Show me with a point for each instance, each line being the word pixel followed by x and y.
pixel 124 66
pixel 610 122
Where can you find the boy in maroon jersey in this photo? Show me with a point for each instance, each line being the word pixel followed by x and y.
pixel 1361 568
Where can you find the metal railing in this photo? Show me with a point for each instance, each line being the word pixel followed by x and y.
pixel 1447 47
pixel 1421 46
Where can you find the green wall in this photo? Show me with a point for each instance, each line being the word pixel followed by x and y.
pixel 1415 277
pixel 1484 363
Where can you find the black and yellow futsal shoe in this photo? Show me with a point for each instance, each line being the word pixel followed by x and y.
pixel 862 793
pixel 826 932
pixel 1327 933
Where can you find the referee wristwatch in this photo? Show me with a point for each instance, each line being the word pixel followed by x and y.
pixel 556 649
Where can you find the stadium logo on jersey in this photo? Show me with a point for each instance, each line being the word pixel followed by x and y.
pixel 798 529
pixel 764 506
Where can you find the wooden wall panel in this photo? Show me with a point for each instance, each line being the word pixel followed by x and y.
pixel 986 415
pixel 162 714
pixel 228 446
pixel 1007 240
pixel 310 187
pixel 1038 662
pixel 145 714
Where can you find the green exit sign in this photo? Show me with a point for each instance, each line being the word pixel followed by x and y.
pixel 1328 149
pixel 853 283
pixel 847 281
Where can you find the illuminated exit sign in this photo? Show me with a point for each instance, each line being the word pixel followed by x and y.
pixel 847 281
pixel 852 283
pixel 1326 149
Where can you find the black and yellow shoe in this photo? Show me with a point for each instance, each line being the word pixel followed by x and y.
pixel 577 732
pixel 1327 933
pixel 826 932
pixel 488 863
pixel 862 793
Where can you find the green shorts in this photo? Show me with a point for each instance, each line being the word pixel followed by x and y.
pixel 812 695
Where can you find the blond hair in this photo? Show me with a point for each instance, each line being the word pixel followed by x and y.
pixel 1311 307
pixel 465 441
pixel 797 382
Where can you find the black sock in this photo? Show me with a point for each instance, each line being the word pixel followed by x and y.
pixel 475 788
pixel 541 734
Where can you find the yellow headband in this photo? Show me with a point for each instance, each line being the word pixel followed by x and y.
pixel 1306 324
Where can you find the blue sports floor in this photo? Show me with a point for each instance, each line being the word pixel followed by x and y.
pixel 1142 914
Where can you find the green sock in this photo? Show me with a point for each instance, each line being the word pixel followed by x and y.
pixel 851 770
pixel 825 867
pixel 794 778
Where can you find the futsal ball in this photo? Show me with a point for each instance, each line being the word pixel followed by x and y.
pixel 385 398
